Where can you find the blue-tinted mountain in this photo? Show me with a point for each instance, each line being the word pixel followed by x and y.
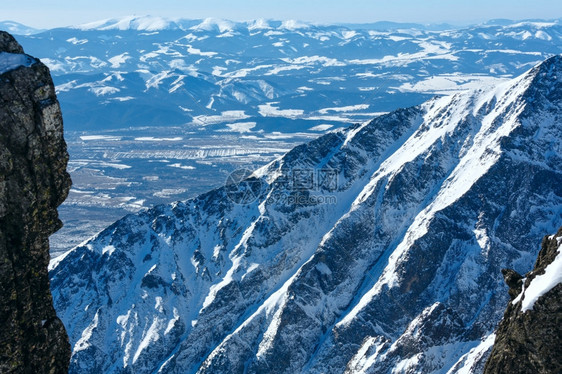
pixel 151 71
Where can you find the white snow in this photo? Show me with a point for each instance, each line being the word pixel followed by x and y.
pixel 480 155
pixel 360 361
pixel 172 322
pixel 269 110
pixel 465 365
pixel 76 41
pixel 83 342
pixel 117 61
pixel 543 283
pixel 214 24
pixel 196 51
pixel 226 116
pixel 180 166
pixel 322 127
pixel 11 61
pixel 149 337
pixel 351 134
pixel 259 24
pixel 168 192
pixel 451 83
pixel 294 25
pixel 101 137
pixel 278 69
pixel 430 50
pixel 113 165
pixel 102 91
pixel 348 34
pixel 121 99
pixel 108 249
pixel 349 108
pixel 241 127
pixel 542 35
pixel 309 60
pixel 155 139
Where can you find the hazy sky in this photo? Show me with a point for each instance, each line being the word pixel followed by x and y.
pixel 53 13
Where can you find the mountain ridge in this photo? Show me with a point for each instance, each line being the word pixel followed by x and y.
pixel 226 287
pixel 158 23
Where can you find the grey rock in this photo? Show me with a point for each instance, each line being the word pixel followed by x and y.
pixel 529 341
pixel 33 183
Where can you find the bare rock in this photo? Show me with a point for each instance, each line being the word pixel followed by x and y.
pixel 529 341
pixel 33 183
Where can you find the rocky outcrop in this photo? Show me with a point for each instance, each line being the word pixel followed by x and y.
pixel 33 183
pixel 529 337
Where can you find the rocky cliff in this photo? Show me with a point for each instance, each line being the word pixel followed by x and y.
pixel 33 183
pixel 530 335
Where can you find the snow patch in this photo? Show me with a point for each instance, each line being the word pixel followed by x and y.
pixel 83 342
pixel 322 127
pixel 100 137
pixel 241 127
pixel 269 110
pixel 76 41
pixel 180 166
pixel 117 61
pixel 543 283
pixel 155 139
pixel 349 108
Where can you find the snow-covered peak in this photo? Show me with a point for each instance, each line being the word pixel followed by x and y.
pixel 533 24
pixel 142 23
pixel 215 24
pixel 294 25
pixel 259 24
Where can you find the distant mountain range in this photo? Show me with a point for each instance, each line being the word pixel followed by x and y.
pixel 151 71
pixel 16 28
pixel 372 249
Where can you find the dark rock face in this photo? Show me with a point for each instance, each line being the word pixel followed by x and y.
pixel 529 341
pixel 33 183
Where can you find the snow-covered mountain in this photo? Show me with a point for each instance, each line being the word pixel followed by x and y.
pixel 18 29
pixel 139 71
pixel 373 249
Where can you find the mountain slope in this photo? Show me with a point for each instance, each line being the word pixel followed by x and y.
pixel 373 249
